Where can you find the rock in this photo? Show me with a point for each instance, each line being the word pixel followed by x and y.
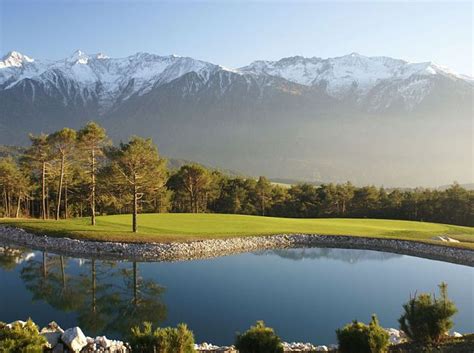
pixel 52 332
pixel 74 338
pixel 52 327
pixel 322 349
pixel 59 348
pixel 52 338
pixel 103 341
pixel 17 322
pixel 456 334
pixel 395 336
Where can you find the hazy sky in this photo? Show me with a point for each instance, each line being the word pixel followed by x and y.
pixel 234 33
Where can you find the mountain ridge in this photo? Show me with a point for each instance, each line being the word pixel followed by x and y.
pixel 119 78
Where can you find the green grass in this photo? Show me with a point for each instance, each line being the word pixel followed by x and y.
pixel 185 227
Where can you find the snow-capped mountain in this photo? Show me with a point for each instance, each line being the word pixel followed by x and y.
pixel 99 77
pixel 358 75
pixel 324 119
pixel 112 80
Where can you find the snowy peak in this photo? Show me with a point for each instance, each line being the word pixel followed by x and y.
pixel 96 77
pixel 345 74
pixel 296 69
pixel 83 77
pixel 14 59
pixel 78 57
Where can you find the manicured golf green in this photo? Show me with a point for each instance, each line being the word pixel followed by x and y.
pixel 184 227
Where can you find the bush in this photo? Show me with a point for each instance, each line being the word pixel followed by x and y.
pixel 162 340
pixel 358 337
pixel 426 318
pixel 259 339
pixel 21 338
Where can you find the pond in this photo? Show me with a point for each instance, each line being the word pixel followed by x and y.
pixel 305 294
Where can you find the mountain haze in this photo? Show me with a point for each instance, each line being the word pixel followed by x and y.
pixel 366 119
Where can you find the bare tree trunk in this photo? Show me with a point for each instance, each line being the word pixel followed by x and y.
pixel 17 213
pixel 66 211
pixel 135 208
pixel 43 190
pixel 93 188
pixel 47 203
pixel 61 177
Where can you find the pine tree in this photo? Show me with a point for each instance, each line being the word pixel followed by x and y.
pixel 138 166
pixel 38 157
pixel 63 143
pixel 92 139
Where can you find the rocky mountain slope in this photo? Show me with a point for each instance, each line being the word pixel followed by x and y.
pixel 368 119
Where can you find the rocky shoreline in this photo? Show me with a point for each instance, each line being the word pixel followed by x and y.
pixel 176 251
pixel 74 340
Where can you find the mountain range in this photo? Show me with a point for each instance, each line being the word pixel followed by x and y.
pixel 367 119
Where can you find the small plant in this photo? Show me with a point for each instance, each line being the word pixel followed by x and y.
pixel 21 338
pixel 162 340
pixel 426 318
pixel 259 339
pixel 358 337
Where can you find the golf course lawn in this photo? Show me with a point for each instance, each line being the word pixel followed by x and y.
pixel 184 227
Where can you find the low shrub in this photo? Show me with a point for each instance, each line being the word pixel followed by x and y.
pixel 162 340
pixel 426 318
pixel 358 337
pixel 259 339
pixel 21 338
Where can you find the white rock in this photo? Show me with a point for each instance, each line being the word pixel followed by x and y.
pixel 52 332
pixel 74 338
pixel 20 322
pixel 103 341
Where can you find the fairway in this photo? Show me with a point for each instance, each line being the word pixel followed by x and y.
pixel 186 227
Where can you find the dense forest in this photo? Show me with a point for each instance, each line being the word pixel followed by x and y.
pixel 80 173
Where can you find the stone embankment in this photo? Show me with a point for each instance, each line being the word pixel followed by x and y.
pixel 175 251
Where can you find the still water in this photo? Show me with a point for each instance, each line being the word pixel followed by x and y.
pixel 305 294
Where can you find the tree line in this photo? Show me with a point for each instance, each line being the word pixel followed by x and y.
pixel 71 173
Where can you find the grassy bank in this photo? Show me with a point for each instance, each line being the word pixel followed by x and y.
pixel 184 227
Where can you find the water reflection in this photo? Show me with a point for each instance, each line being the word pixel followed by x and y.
pixel 344 255
pixel 290 289
pixel 108 297
pixel 11 257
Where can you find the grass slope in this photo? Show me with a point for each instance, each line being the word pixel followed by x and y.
pixel 184 227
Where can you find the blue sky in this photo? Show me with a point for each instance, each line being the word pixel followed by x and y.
pixel 234 33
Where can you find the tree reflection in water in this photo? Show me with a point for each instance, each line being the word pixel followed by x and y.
pixel 108 298
pixel 11 257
